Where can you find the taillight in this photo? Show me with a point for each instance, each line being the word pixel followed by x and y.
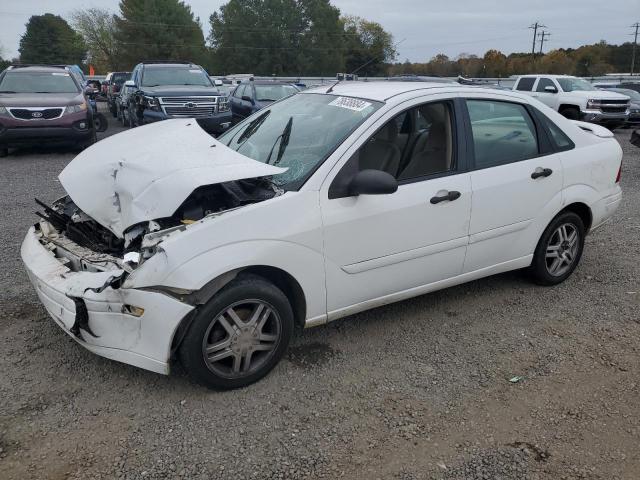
pixel 619 173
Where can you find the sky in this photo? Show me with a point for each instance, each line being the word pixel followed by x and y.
pixel 421 28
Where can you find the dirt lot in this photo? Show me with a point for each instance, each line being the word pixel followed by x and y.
pixel 415 390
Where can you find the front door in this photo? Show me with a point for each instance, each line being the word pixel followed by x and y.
pixel 378 248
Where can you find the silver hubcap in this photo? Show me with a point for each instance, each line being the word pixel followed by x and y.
pixel 562 249
pixel 241 338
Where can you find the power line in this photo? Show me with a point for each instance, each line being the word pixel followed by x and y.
pixel 635 43
pixel 543 36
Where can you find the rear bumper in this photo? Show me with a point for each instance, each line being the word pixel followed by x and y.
pixel 604 208
pixel 143 341
pixel 216 124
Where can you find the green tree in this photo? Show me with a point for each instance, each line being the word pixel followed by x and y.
pixel 98 29
pixel 158 30
pixel 49 39
pixel 368 47
pixel 279 37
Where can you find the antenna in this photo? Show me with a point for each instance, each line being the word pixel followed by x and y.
pixel 374 58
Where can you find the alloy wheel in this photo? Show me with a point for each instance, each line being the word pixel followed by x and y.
pixel 562 249
pixel 241 338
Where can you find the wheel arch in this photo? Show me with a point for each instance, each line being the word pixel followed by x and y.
pixel 583 211
pixel 279 277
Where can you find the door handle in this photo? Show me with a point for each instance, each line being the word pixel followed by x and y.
pixel 541 172
pixel 444 195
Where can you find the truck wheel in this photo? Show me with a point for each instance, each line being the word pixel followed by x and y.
pixel 572 113
pixel 239 335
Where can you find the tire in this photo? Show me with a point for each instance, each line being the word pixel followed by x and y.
pixel 231 342
pixel 100 122
pixel 571 113
pixel 557 241
pixel 87 143
pixel 4 151
pixel 113 109
pixel 129 123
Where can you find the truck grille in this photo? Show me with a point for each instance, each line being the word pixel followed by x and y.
pixel 194 112
pixel 621 109
pixel 37 113
pixel 194 107
pixel 174 100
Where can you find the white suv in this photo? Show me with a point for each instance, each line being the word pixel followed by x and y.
pixel 171 244
pixel 576 98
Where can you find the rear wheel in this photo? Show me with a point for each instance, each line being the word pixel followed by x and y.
pixel 559 249
pixel 239 335
pixel 572 113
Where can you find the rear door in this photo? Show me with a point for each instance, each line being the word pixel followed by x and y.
pixel 516 180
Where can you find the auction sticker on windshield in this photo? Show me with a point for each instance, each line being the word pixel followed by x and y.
pixel 354 104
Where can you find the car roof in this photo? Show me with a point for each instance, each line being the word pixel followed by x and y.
pixel 169 65
pixel 378 91
pixel 536 75
pixel 38 68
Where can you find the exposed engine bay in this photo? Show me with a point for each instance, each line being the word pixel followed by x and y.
pixel 68 220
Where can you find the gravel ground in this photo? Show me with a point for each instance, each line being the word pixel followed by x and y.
pixel 415 390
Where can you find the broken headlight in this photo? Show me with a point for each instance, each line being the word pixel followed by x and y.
pixel 152 103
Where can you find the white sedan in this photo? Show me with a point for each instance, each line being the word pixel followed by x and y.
pixel 171 245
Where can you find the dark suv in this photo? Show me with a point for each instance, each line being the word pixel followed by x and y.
pixel 42 104
pixel 162 90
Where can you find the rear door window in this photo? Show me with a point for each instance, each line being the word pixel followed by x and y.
pixel 503 132
pixel 526 84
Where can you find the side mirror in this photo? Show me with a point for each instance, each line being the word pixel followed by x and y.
pixel 246 98
pixel 373 182
pixel 130 83
pixel 550 89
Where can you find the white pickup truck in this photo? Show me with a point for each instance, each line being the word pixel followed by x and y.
pixel 576 98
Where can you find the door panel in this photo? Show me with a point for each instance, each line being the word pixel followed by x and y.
pixel 509 204
pixel 376 245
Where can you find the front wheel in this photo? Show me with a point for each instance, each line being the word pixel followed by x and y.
pixel 559 249
pixel 239 335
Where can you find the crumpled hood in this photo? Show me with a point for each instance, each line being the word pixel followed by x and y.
pixel 146 173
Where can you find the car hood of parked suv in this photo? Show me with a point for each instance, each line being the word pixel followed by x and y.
pixel 40 99
pixel 147 173
pixel 180 91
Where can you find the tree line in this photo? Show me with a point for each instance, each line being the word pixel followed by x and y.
pixel 586 61
pixel 273 37
pixel 264 37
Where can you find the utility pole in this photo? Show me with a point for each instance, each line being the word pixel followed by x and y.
pixel 535 28
pixel 543 36
pixel 635 43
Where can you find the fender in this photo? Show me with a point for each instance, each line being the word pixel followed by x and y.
pixel 302 263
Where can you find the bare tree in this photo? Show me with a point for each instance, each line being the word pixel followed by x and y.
pixel 98 26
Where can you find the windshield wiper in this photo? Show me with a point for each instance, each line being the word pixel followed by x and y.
pixel 284 141
pixel 7 91
pixel 266 100
pixel 251 129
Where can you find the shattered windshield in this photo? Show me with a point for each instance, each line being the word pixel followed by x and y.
pixel 298 133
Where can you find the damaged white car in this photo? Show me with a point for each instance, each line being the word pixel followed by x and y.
pixel 171 245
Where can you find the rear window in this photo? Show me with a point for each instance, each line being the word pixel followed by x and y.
pixel 38 82
pixel 526 84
